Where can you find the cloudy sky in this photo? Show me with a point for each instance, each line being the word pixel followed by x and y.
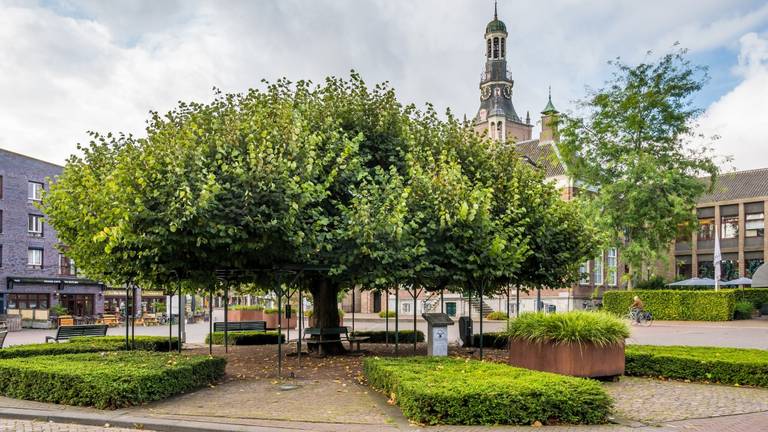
pixel 69 66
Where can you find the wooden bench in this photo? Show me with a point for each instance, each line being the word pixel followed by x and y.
pixel 67 332
pixel 109 320
pixel 240 326
pixel 324 332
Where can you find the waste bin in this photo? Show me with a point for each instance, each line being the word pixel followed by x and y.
pixel 551 308
pixel 465 331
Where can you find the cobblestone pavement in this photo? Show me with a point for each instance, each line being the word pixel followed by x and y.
pixel 9 425
pixel 654 401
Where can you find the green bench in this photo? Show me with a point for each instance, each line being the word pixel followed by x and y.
pixel 68 332
pixel 325 335
pixel 240 326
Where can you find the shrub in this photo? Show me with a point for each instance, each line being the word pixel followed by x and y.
pixel 742 310
pixel 497 316
pixel 106 380
pixel 89 344
pixel 58 310
pixel 436 390
pixel 246 338
pixel 675 304
pixel 384 314
pixel 251 307
pixel 758 296
pixel 654 283
pixel 404 336
pixel 570 327
pixel 707 364
pixel 498 340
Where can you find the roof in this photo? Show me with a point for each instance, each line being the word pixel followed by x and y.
pixel 495 26
pixel 543 155
pixel 550 108
pixel 738 185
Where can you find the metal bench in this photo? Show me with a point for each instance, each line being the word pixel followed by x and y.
pixel 3 334
pixel 240 326
pixel 68 332
pixel 322 332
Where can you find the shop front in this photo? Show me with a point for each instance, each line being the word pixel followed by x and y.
pixel 36 300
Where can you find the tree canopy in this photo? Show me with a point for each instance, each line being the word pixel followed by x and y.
pixel 337 176
pixel 633 148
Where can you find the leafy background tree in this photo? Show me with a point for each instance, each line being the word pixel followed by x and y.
pixel 633 149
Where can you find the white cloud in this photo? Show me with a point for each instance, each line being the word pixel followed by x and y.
pixel 92 65
pixel 740 116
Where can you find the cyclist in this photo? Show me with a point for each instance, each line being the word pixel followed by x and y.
pixel 637 308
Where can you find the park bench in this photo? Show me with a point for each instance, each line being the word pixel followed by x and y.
pixel 335 333
pixel 240 326
pixel 68 332
pixel 3 334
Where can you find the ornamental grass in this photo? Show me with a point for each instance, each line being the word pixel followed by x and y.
pixel 578 327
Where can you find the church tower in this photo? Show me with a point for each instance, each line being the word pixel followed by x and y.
pixel 497 115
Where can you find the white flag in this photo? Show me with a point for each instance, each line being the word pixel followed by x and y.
pixel 717 259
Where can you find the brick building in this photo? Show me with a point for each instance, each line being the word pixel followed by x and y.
pixel 34 274
pixel 735 210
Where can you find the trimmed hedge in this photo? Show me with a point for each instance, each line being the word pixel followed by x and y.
pixel 757 296
pixel 249 307
pixel 676 305
pixel 383 314
pixel 106 380
pixel 404 336
pixel 443 390
pixel 246 338
pixel 497 316
pixel 88 344
pixel 499 340
pixel 707 364
pixel 742 310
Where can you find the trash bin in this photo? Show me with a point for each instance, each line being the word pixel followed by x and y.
pixel 465 331
pixel 551 308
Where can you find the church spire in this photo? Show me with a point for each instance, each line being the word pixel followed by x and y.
pixel 550 108
pixel 495 10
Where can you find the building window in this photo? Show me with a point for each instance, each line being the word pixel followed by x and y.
pixel 729 227
pixel 406 307
pixel 613 274
pixel 706 229
pixel 28 301
pixel 450 308
pixel 503 47
pixel 584 273
pixel 35 191
pixel 706 269
pixel 1 221
pixel 753 227
pixel 35 225
pixel 488 54
pixel 1 187
pixel 1 255
pixel 35 257
pixel 684 268
pixel 729 269
pixel 751 265
pixel 495 47
pixel 77 304
pixel 66 266
pixel 499 135
pixel 597 273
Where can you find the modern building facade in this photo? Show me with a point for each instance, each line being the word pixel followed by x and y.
pixel 734 210
pixel 498 118
pixel 34 274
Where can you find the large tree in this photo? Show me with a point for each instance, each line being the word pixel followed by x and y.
pixel 339 178
pixel 633 150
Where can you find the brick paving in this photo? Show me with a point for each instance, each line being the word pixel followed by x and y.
pixel 11 425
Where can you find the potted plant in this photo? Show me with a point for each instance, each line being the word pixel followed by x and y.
pixel 246 313
pixel 270 316
pixel 578 343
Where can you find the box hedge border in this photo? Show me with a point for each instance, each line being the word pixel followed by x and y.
pixel 705 364
pixel 246 338
pixel 433 390
pixel 675 305
pixel 106 380
pixel 379 336
pixel 89 344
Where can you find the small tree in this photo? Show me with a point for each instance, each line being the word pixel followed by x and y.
pixel 633 147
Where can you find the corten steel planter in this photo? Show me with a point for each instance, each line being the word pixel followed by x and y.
pixel 581 360
pixel 246 315
pixel 271 320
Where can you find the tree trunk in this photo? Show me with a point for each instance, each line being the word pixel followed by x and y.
pixel 326 312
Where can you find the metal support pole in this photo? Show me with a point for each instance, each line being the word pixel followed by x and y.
pixel 127 339
pixel 386 317
pixel 397 319
pixel 279 336
pixel 178 323
pixel 442 300
pixel 133 316
pixel 415 294
pixel 301 326
pixel 169 308
pixel 210 322
pixel 508 314
pixel 226 317
pixel 538 300
pixel 481 320
pixel 517 300
pixel 471 337
pixel 353 315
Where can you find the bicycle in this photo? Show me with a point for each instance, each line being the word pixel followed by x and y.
pixel 638 317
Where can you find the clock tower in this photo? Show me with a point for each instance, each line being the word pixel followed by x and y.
pixel 497 116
